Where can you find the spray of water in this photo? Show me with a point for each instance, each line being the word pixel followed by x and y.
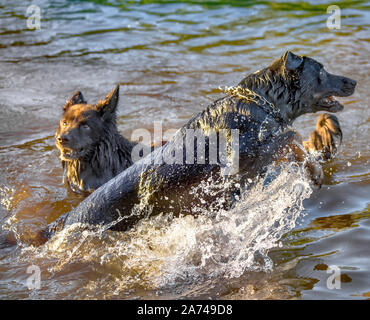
pixel 163 251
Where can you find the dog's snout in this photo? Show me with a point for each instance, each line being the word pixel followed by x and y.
pixel 348 87
pixel 62 138
pixel 350 82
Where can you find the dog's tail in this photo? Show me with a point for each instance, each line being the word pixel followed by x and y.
pixel 327 137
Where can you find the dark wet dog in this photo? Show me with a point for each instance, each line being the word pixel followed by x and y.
pixel 260 108
pixel 91 149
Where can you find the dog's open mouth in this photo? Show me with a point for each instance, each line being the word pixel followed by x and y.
pixel 69 154
pixel 328 103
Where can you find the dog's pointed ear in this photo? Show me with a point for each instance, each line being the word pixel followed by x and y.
pixel 292 61
pixel 77 98
pixel 107 107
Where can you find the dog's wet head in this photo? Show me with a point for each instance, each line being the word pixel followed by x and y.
pixel 324 86
pixel 317 87
pixel 83 125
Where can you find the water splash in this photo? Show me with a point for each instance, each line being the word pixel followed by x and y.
pixel 163 252
pixel 6 197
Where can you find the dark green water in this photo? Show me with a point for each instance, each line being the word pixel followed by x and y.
pixel 170 58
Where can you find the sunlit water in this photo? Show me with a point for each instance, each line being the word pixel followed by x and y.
pixel 170 58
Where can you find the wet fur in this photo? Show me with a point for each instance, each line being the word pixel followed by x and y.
pixel 326 138
pixel 294 85
pixel 90 134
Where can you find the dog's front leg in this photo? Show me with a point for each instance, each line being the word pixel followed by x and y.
pixel 288 147
pixel 325 141
pixel 323 145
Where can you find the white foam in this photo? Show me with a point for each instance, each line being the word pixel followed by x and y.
pixel 163 251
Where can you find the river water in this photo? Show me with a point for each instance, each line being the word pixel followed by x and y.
pixel 170 58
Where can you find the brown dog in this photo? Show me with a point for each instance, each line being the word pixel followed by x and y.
pixel 91 148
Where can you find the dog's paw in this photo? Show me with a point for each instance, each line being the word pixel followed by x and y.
pixel 327 137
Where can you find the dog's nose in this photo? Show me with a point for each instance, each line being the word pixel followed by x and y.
pixel 62 139
pixel 351 82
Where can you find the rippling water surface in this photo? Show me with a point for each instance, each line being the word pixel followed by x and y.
pixel 170 58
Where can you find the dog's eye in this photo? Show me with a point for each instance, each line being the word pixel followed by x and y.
pixel 64 123
pixel 321 77
pixel 322 74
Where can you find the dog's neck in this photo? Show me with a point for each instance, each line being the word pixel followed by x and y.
pixel 106 159
pixel 279 91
